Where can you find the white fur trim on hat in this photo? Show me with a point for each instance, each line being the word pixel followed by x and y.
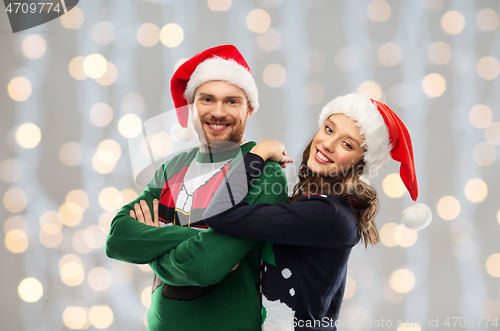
pixel 180 134
pixel 372 128
pixel 417 216
pixel 227 70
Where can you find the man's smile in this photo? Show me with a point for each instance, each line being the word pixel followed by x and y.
pixel 217 126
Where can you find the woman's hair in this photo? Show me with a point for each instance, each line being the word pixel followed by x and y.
pixel 346 185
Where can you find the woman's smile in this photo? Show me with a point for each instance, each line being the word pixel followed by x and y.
pixel 321 157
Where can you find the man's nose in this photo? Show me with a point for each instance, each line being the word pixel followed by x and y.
pixel 218 110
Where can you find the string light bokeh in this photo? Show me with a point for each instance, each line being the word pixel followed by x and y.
pixel 75 88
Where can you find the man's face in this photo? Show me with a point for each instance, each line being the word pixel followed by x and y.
pixel 223 111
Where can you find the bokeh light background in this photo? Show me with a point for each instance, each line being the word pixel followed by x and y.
pixel 73 89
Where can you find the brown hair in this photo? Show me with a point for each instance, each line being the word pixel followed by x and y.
pixel 348 185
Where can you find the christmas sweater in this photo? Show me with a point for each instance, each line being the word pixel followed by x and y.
pixel 193 288
pixel 306 254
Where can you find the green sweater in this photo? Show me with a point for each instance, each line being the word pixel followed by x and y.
pixel 183 256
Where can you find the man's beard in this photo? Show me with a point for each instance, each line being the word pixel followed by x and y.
pixel 232 136
pixel 223 142
pixel 214 141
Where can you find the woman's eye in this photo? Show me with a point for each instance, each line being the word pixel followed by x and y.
pixel 348 145
pixel 329 129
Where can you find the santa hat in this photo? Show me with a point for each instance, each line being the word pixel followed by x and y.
pixel 219 63
pixel 385 136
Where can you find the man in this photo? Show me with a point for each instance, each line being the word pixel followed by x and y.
pixel 194 287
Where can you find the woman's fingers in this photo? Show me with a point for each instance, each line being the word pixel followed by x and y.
pixel 285 159
pixel 156 220
pixel 132 214
pixel 138 213
pixel 272 150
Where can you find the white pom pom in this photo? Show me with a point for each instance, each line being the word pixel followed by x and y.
pixel 417 216
pixel 181 134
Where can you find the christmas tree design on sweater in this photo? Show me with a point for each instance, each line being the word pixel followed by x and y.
pixel 276 314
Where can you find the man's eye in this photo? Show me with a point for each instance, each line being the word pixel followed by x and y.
pixel 233 102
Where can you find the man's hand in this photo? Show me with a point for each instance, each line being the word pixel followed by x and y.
pixel 235 267
pixel 143 214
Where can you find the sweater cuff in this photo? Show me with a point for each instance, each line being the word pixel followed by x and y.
pixel 254 164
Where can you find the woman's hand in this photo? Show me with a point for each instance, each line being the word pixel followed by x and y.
pixel 272 150
pixel 143 214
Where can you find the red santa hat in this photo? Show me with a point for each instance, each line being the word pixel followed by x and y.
pixel 219 63
pixel 385 136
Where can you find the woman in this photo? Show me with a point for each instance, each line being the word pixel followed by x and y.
pixel 310 239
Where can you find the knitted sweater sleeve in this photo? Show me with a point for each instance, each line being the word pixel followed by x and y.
pixel 135 242
pixel 322 221
pixel 206 258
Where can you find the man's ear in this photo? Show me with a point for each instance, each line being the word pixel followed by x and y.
pixel 249 110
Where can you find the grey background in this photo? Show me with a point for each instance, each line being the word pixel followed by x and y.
pixel 447 283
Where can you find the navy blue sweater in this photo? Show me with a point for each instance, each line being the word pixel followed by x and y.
pixel 306 254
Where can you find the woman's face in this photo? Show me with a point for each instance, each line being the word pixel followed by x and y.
pixel 336 147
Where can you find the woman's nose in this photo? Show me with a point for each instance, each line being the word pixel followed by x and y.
pixel 329 145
